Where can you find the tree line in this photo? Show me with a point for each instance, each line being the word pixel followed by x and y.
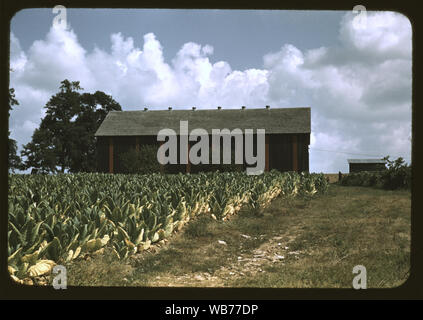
pixel 64 140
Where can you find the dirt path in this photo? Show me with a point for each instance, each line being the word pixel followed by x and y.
pixel 274 250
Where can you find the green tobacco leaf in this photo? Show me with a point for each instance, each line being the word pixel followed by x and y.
pixel 15 256
pixel 122 234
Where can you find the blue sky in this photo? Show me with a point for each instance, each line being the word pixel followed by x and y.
pixel 240 36
pixel 356 78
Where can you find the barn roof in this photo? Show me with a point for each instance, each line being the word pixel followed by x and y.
pixel 150 122
pixel 366 161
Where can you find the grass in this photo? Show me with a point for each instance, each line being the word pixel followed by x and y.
pixel 321 239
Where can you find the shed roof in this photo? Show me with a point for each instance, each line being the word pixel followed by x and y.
pixel 366 161
pixel 150 122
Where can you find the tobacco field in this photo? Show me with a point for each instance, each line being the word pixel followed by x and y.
pixel 58 218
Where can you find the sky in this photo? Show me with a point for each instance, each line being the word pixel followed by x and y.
pixel 353 71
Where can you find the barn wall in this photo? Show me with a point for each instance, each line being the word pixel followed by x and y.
pixel 357 167
pixel 120 145
pixel 303 152
pixel 280 152
pixel 102 148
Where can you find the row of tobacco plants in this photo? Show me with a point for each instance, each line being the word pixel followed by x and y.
pixel 54 219
pixel 396 176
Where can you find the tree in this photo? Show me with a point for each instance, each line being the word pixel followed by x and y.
pixel 94 108
pixel 39 153
pixel 65 139
pixel 14 159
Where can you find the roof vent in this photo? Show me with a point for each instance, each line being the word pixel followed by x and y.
pixel 145 109
pixel 219 108
pixel 193 108
pixel 243 107
pixel 170 108
pixel 267 107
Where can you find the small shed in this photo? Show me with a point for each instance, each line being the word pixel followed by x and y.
pixel 287 134
pixel 357 165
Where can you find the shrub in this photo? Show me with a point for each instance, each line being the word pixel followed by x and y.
pixel 397 176
pixel 142 161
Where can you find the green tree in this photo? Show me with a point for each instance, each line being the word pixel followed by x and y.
pixel 14 159
pixel 93 110
pixel 65 139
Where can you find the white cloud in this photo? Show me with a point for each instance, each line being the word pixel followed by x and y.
pixel 384 33
pixel 359 92
pixel 18 58
pixel 51 60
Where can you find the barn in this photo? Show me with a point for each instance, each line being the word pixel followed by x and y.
pixel 287 132
pixel 357 165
